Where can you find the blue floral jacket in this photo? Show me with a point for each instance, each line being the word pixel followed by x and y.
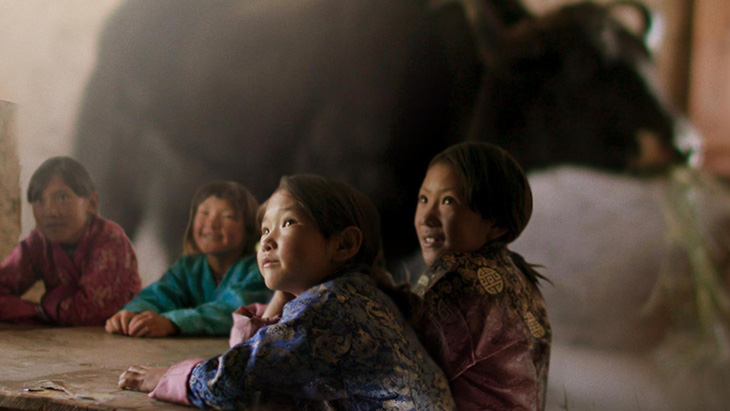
pixel 340 345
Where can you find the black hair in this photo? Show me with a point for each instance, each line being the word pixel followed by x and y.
pixel 244 205
pixel 71 171
pixel 335 205
pixel 494 185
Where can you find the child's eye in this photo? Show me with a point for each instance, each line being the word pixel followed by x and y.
pixel 264 231
pixel 62 197
pixel 422 199
pixel 229 216
pixel 448 200
pixel 288 222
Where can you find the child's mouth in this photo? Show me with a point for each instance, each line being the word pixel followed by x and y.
pixel 212 237
pixel 432 241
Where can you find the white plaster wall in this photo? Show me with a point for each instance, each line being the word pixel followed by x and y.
pixel 47 50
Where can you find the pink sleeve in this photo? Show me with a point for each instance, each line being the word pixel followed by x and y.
pixel 15 309
pixel 109 279
pixel 16 272
pixel 173 387
pixel 247 321
pixel 16 277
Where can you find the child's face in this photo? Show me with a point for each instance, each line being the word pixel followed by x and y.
pixel 61 214
pixel 443 221
pixel 217 229
pixel 293 255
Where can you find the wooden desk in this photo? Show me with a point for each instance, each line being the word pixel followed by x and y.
pixel 54 368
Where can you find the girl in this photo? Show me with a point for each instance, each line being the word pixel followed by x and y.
pixel 217 273
pixel 340 344
pixel 485 320
pixel 87 264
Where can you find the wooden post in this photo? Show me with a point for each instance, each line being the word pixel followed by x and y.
pixel 9 180
pixel 710 81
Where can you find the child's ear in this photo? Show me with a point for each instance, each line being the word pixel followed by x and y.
pixel 348 244
pixel 495 233
pixel 94 202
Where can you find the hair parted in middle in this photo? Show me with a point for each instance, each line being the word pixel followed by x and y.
pixel 244 205
pixel 493 184
pixel 335 205
pixel 73 173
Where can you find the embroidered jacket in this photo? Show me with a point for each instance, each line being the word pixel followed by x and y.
pixel 341 344
pixel 487 327
pixel 86 291
pixel 187 294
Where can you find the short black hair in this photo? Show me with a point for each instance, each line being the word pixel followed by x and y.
pixel 71 171
pixel 492 183
pixel 334 205
pixel 243 202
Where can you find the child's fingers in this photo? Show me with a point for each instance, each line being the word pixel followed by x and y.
pixel 129 380
pixel 111 327
pixel 125 317
pixel 141 378
pixel 114 324
pixel 138 327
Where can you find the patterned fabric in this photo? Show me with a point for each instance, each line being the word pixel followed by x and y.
pixel 86 291
pixel 187 294
pixel 487 327
pixel 339 345
pixel 247 320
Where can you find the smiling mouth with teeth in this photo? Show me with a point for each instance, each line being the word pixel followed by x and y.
pixel 432 240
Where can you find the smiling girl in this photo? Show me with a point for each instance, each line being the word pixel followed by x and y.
pixel 87 263
pixel 217 274
pixel 485 320
pixel 342 343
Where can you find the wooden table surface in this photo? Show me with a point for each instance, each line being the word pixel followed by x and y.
pixel 77 368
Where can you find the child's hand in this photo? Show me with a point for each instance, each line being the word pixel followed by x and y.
pixel 149 324
pixel 141 378
pixel 119 322
pixel 276 305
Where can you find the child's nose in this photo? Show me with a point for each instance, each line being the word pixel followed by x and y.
pixel 215 221
pixel 50 208
pixel 268 243
pixel 428 216
pixel 431 220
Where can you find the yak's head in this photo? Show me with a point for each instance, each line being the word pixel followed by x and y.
pixel 575 86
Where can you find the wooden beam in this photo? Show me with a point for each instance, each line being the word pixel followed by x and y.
pixel 9 179
pixel 710 81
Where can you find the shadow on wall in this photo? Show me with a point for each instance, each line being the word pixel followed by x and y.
pixel 184 93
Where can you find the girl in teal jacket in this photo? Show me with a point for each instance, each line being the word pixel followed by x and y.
pixel 217 273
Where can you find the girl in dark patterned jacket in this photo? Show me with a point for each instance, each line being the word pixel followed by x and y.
pixel 87 263
pixel 485 321
pixel 342 343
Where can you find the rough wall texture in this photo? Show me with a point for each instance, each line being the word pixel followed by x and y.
pixel 9 180
pixel 47 48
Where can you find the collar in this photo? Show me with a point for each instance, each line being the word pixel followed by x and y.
pixel 449 262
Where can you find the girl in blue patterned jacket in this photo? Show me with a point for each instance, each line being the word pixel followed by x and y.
pixel 341 343
pixel 216 274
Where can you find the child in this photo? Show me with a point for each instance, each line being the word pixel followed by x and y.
pixel 87 264
pixel 217 273
pixel 340 344
pixel 485 320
